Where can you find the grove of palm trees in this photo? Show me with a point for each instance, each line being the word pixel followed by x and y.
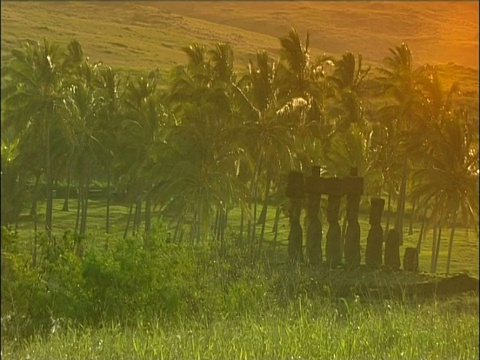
pixel 161 199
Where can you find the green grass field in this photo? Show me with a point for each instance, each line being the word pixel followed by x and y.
pixel 465 253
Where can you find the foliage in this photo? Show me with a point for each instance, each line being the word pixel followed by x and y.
pixel 83 291
pixel 118 284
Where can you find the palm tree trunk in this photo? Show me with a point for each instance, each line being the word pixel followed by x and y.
pixel 67 194
pixel 342 236
pixel 137 219
pixel 33 209
pixel 437 252
pixel 401 202
pixel 389 211
pixel 249 227
pixel 134 227
pixel 450 244
pixel 434 250
pixel 421 236
pixel 177 228
pixel 199 234
pixel 225 223
pixel 182 231
pixel 193 226
pixel 128 221
pixel 216 228
pixel 107 220
pixel 83 223
pixel 253 191
pixel 263 215
pixel 221 221
pixel 275 228
pixel 242 215
pixel 69 176
pixel 254 221
pixel 49 195
pixel 148 215
pixel 410 227
pixel 35 236
pixel 79 202
pixel 276 220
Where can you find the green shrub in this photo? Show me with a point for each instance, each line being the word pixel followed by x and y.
pixel 34 298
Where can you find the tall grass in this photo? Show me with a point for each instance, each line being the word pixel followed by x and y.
pixel 306 329
pixel 167 301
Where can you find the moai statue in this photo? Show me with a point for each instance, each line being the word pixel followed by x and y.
pixel 392 250
pixel 410 259
pixel 314 226
pixel 295 191
pixel 353 188
pixel 333 188
pixel 373 253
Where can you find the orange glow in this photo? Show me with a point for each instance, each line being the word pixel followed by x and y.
pixel 436 31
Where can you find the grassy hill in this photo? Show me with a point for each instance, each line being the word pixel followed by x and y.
pixel 125 35
pixel 149 35
pixel 437 32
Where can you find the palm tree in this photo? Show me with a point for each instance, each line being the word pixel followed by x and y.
pixel 265 132
pixel 449 155
pixel 12 201
pixel 196 171
pixel 108 84
pixel 452 183
pixel 222 60
pixel 347 80
pixel 296 73
pixel 34 93
pixel 386 162
pixel 303 89
pixel 142 126
pixel 74 70
pixel 200 163
pixel 348 143
pixel 82 128
pixel 400 82
pixel 448 180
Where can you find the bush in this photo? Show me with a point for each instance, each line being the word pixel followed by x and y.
pixel 129 282
pixel 33 298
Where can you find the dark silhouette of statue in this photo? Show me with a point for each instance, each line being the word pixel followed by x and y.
pixel 373 253
pixel 410 259
pixel 392 250
pixel 353 188
pixel 313 192
pixel 295 191
pixel 333 188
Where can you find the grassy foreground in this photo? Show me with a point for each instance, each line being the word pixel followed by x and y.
pixel 126 300
pixel 306 329
pixel 170 302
